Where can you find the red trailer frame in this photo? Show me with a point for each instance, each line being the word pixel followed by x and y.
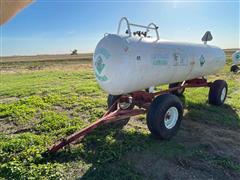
pixel 140 99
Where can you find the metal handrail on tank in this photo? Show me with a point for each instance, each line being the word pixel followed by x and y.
pixel 128 25
pixel 155 27
pixel 137 25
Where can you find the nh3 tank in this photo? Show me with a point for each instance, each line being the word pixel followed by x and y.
pixel 124 63
pixel 235 62
pixel 236 58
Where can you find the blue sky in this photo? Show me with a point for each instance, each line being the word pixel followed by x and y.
pixel 52 27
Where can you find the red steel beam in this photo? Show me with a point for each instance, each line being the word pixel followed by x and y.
pixel 113 116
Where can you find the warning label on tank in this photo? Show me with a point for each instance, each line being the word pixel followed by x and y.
pixel 179 60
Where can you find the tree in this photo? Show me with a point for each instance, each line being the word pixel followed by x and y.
pixel 74 52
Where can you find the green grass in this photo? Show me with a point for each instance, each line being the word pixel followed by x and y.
pixel 39 107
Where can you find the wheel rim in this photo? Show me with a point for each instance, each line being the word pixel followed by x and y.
pixel 171 117
pixel 124 105
pixel 223 94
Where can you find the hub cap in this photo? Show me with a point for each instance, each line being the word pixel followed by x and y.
pixel 223 94
pixel 171 117
pixel 124 105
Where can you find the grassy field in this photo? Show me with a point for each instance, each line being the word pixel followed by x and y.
pixel 43 101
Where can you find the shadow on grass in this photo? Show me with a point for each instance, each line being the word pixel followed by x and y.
pixel 103 149
pixel 204 112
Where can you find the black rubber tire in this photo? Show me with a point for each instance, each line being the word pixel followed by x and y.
pixel 120 123
pixel 178 92
pixel 156 115
pixel 215 91
pixel 111 99
pixel 234 68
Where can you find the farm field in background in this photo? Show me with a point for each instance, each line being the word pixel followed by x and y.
pixel 45 98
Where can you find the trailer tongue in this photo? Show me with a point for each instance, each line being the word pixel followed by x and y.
pixel 107 118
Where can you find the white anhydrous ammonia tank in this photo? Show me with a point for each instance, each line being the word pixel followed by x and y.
pixel 236 58
pixel 124 64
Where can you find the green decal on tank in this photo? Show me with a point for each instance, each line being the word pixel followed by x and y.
pixel 103 52
pixel 100 56
pixel 99 64
pixel 159 59
pixel 160 62
pixel 101 78
pixel 202 60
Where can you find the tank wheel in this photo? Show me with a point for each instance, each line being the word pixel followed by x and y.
pixel 120 123
pixel 217 92
pixel 234 68
pixel 164 116
pixel 178 92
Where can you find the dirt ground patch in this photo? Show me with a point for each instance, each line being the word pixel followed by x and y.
pixel 215 146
